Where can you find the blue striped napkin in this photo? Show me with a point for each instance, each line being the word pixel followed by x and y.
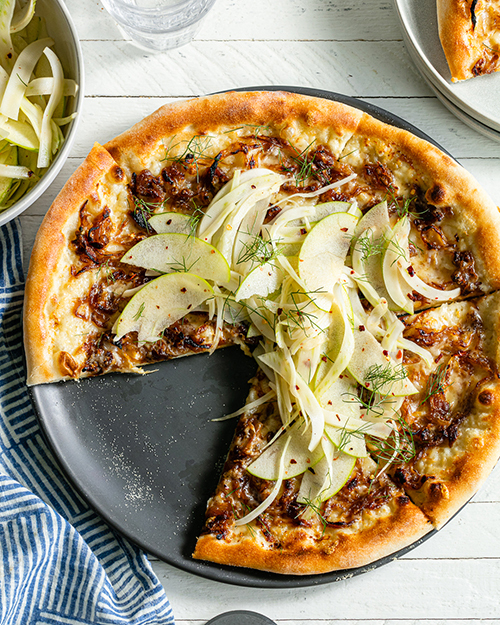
pixel 59 561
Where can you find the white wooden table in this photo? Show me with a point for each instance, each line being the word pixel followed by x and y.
pixel 354 48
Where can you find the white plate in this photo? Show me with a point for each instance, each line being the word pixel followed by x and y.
pixel 473 123
pixel 419 21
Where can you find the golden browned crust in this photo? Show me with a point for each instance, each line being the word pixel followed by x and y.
pixel 454 472
pixel 218 113
pixel 335 551
pixel 469 34
pixel 454 23
pixel 48 270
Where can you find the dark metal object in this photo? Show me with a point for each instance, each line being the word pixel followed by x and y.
pixel 143 451
pixel 241 617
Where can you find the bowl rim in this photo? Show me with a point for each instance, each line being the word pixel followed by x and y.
pixel 55 167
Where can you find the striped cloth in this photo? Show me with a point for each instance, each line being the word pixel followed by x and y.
pixel 59 561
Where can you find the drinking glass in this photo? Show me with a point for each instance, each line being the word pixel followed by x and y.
pixel 158 25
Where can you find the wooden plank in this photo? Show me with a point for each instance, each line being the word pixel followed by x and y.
pixel 280 20
pixel 206 67
pixel 405 589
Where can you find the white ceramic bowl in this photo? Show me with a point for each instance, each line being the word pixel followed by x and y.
pixel 67 46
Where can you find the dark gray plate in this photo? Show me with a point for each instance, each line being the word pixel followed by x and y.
pixel 240 617
pixel 143 451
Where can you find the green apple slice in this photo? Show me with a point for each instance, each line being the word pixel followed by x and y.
pixel 20 133
pixel 171 252
pixel 261 281
pixel 375 370
pixel 170 222
pixel 330 475
pixel 160 303
pixel 297 459
pixel 350 443
pixel 323 253
pixel 341 396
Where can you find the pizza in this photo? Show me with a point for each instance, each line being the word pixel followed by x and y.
pixel 355 262
pixel 469 31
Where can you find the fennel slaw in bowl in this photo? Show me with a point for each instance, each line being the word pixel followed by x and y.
pixel 41 93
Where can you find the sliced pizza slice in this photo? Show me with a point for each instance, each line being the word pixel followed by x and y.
pixel 454 419
pixel 298 523
pixel 470 35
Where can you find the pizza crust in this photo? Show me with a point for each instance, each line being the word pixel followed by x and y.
pixel 470 37
pixel 453 473
pixel 337 551
pixel 49 271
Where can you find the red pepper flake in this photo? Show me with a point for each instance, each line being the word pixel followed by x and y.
pixel 362 328
pixel 385 352
pixel 169 222
pixel 368 385
pixel 411 271
pixel 190 305
pixel 330 402
pixel 293 461
pixel 297 387
pixel 352 272
pixel 399 354
pixel 344 229
pixel 324 358
pixel 183 290
pixel 303 231
pixel 279 311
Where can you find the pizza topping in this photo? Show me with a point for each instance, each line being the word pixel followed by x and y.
pixel 465 276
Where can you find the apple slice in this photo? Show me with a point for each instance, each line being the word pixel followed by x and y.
pixel 323 253
pixel 374 369
pixel 341 396
pixel 330 475
pixel 160 303
pixel 171 252
pixel 350 443
pixel 297 459
pixel 261 281
pixel 170 222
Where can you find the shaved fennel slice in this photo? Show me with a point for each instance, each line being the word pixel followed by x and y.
pixel 44 155
pixel 6 47
pixel 242 185
pixel 258 198
pixel 250 407
pixel 421 287
pixel 23 17
pixel 410 346
pixel 15 171
pixel 346 349
pixel 282 363
pixel 272 495
pixel 4 79
pixel 34 114
pixel 328 187
pixel 45 86
pixel 19 78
